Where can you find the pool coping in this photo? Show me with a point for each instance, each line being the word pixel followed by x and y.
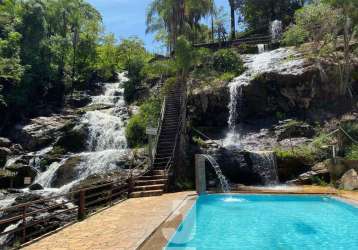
pixel 153 243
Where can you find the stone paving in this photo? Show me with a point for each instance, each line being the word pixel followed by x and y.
pixel 122 227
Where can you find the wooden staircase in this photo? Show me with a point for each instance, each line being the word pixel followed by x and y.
pixel 155 181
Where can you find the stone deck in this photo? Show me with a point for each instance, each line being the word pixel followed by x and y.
pixel 122 227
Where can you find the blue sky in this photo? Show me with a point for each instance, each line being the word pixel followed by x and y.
pixel 126 18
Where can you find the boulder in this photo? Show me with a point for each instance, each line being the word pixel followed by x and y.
pixel 67 172
pixel 349 180
pixel 22 171
pixel 5 142
pixel 35 187
pixel 73 140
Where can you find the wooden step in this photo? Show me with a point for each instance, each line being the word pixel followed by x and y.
pixel 150 177
pixel 149 193
pixel 149 187
pixel 151 182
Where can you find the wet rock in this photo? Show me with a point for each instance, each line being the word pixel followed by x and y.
pixel 349 180
pixel 41 131
pixel 79 99
pixel 292 129
pixel 73 140
pixel 35 187
pixel 5 142
pixel 67 172
pixel 209 107
pixel 22 171
pixel 4 152
pixel 236 165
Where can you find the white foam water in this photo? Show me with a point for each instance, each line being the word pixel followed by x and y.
pixel 106 142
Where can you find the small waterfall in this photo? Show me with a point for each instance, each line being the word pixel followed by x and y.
pixel 223 181
pixel 276 30
pixel 261 48
pixel 265 164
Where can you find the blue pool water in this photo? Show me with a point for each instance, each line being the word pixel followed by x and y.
pixel 255 222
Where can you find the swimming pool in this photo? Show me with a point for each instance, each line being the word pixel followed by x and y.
pixel 255 222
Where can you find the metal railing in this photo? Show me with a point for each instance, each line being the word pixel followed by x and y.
pixel 237 42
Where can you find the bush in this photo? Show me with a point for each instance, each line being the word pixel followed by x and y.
pixel 135 131
pixel 227 60
pixel 295 36
pixel 352 152
pixel 148 115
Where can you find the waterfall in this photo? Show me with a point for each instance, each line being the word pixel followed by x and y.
pixel 261 48
pixel 106 142
pixel 255 64
pixel 276 30
pixel 223 181
pixel 265 164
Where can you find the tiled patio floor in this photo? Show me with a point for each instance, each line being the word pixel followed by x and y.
pixel 122 227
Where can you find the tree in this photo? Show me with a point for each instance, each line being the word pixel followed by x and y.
pixel 258 14
pixel 327 25
pixel 132 57
pixel 349 28
pixel 234 5
pixel 173 18
pixel 107 57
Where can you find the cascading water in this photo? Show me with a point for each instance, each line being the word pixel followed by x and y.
pixel 106 142
pixel 276 30
pixel 261 48
pixel 223 181
pixel 257 64
pixel 265 163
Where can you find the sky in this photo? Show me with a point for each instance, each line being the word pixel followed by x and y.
pixel 126 18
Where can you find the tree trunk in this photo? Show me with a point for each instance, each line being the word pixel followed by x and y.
pixel 233 31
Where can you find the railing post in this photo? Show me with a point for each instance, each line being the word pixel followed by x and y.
pixel 110 194
pixel 82 205
pixel 24 224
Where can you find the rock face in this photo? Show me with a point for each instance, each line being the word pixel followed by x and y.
pixel 349 180
pixel 74 140
pixel 41 131
pixel 319 172
pixel 5 142
pixel 237 166
pixel 4 152
pixel 293 129
pixel 209 107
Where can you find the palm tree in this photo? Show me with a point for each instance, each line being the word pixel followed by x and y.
pixel 176 18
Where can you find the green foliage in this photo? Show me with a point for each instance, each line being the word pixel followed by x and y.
pixel 352 152
pixel 170 20
pixel 184 56
pixel 148 115
pixel 259 13
pixel 295 36
pixel 159 69
pixel 316 180
pixel 132 57
pixel 108 61
pixel 227 60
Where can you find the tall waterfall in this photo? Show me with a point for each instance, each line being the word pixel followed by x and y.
pixel 255 64
pixel 106 142
pixel 268 61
